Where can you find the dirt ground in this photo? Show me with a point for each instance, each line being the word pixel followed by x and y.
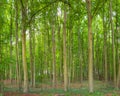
pixel 28 94
pixel 18 94
pixel 31 94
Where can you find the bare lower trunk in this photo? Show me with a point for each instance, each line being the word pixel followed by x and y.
pixel 10 66
pixel 113 44
pixel 90 53
pixel 25 71
pixel 54 55
pixel 64 54
pixel 105 47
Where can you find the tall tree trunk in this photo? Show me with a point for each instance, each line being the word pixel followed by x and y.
pixel 70 54
pixel 25 70
pixel 118 76
pixel 11 23
pixel 17 51
pixel 34 67
pixel 64 53
pixel 105 46
pixel 60 52
pixel 117 47
pixel 80 55
pixel 0 57
pixel 31 54
pixel 24 60
pixel 113 43
pixel 70 51
pixel 53 54
pixel 90 55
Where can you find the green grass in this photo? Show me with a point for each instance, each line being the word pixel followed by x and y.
pixel 100 89
pixel 72 92
pixel 75 92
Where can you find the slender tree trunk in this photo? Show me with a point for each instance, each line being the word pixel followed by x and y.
pixel 54 55
pixel 90 55
pixel 58 36
pixel 25 70
pixel 24 61
pixel 105 47
pixel 109 58
pixel 45 66
pixel 60 52
pixel 71 56
pixel 11 23
pixel 31 54
pixel 113 43
pixel 70 53
pixel 17 51
pixel 118 77
pixel 80 55
pixel 0 58
pixel 64 53
pixel 117 50
pixel 34 67
pixel 49 55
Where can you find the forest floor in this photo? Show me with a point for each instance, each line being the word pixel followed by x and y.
pixel 75 89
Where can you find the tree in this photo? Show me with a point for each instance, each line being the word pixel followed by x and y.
pixel 24 28
pixel 64 53
pixel 31 54
pixel 90 60
pixel 113 43
pixel 105 46
pixel 11 40
pixel 118 76
pixel 53 54
pixel 17 46
pixel 80 55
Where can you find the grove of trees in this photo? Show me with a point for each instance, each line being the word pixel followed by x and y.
pixel 59 42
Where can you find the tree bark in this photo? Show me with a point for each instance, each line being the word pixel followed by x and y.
pixel 25 70
pixel 64 54
pixel 11 40
pixel 31 54
pixel 80 55
pixel 90 55
pixel 118 76
pixel 34 67
pixel 17 51
pixel 117 49
pixel 105 47
pixel 54 55
pixel 113 44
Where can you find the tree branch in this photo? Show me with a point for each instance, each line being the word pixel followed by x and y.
pixel 40 10
pixel 49 4
pixel 97 8
pixel 22 4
